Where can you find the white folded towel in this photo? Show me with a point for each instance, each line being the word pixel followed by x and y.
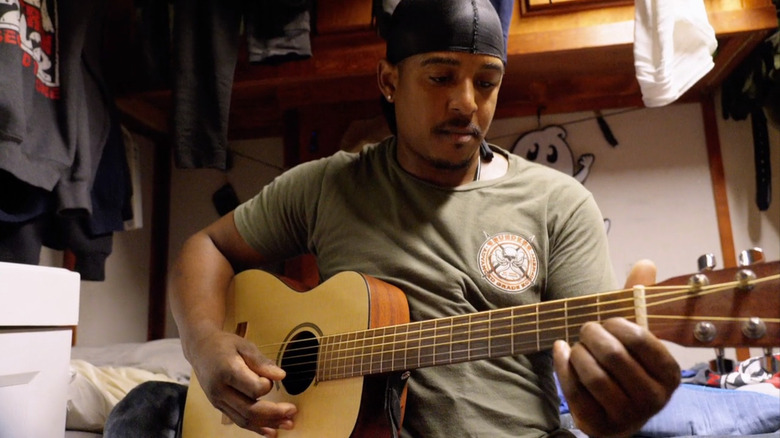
pixel 673 47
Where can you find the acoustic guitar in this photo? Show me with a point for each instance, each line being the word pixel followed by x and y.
pixel 339 341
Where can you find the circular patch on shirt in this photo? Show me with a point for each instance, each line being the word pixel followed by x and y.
pixel 508 262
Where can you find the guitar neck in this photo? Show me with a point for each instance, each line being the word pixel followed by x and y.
pixel 502 332
pixel 740 312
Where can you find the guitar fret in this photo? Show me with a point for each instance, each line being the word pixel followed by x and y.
pixel 441 349
pixel 618 304
pixel 550 328
pixel 392 347
pixel 427 343
pixel 346 356
pixel 478 344
pixel 322 359
pixel 364 355
pixel 598 308
pixel 400 335
pixel 490 332
pixel 386 359
pixel 376 354
pixel 350 355
pixel 538 330
pixel 407 348
pixel 449 343
pixel 376 359
pixel 501 333
pixel 585 309
pixel 512 330
pixel 359 354
pixel 461 334
pixel 339 356
pixel 413 344
pixel 334 362
pixel 333 357
pixel 524 330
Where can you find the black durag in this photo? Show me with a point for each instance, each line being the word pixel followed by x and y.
pixel 422 26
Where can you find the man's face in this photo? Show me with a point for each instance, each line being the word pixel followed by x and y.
pixel 444 104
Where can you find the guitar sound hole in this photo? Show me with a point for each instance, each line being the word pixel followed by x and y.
pixel 299 360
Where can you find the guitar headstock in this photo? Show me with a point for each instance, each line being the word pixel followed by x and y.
pixel 735 307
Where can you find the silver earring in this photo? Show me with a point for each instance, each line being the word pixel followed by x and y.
pixel 389 98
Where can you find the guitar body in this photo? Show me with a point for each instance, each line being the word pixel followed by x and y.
pixel 282 320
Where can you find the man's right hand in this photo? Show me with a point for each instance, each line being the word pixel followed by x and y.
pixel 235 375
pixel 232 372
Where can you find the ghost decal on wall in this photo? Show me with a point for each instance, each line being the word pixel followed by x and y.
pixel 548 146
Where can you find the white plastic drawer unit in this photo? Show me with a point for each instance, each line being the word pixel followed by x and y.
pixel 38 307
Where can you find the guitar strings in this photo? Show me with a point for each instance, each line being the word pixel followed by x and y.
pixel 519 308
pixel 327 338
pixel 447 333
pixel 483 340
pixel 343 361
pixel 343 349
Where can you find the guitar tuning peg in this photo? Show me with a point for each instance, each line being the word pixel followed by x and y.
pixel 771 363
pixel 706 262
pixel 750 256
pixel 720 364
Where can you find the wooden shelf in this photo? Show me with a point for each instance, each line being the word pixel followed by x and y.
pixel 577 61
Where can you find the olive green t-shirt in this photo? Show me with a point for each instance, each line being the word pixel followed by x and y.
pixel 534 234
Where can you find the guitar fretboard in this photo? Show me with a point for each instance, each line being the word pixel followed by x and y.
pixel 502 332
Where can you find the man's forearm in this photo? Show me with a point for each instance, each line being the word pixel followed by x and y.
pixel 198 283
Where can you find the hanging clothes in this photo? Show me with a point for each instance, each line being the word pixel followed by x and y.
pixel 753 89
pixel 53 96
pixel 34 148
pixel 278 31
pixel 673 47
pixel 57 116
pixel 206 39
pixel 88 237
pixel 153 21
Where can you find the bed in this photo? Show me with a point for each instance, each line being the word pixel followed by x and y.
pixel 102 376
pixel 697 410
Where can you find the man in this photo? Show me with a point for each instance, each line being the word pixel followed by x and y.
pixel 456 224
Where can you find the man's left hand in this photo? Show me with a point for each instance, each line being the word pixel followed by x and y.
pixel 617 376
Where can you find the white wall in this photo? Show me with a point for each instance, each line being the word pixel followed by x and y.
pixel 654 186
pixel 255 165
pixel 654 189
